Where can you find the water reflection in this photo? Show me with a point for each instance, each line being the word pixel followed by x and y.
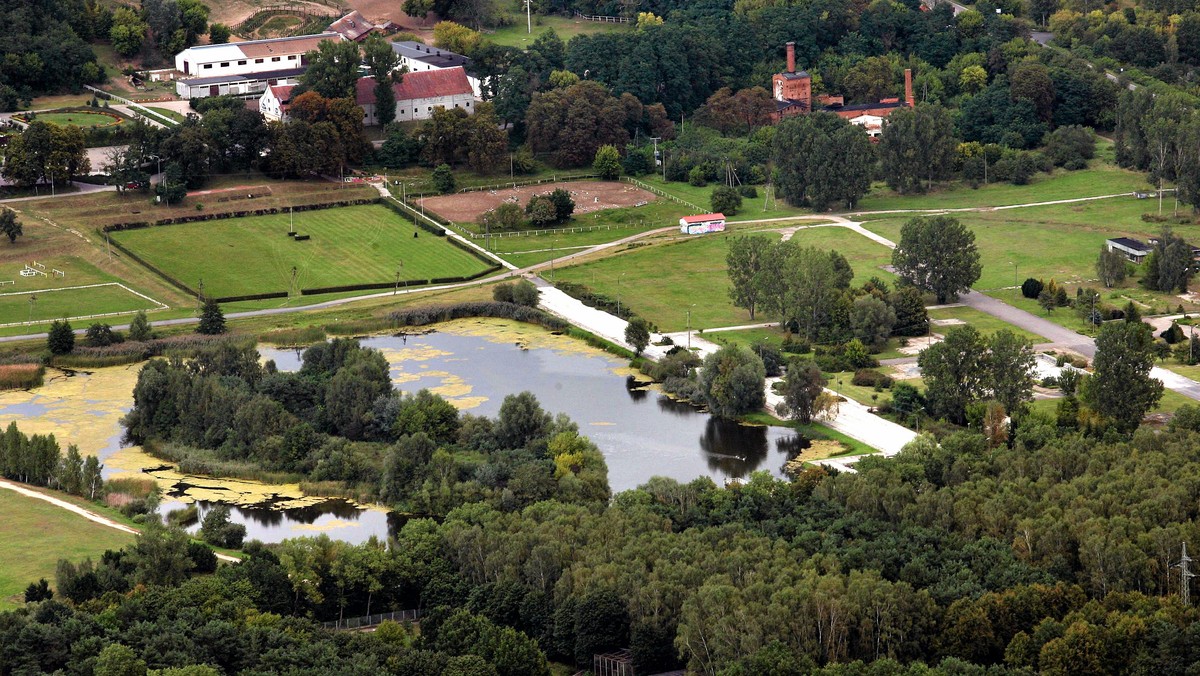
pixel 641 432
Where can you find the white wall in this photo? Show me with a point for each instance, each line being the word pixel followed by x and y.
pixel 221 62
pixel 422 109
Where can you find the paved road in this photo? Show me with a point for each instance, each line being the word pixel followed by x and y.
pixel 1054 333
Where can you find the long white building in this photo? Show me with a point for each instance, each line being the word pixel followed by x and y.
pixel 418 58
pixel 244 68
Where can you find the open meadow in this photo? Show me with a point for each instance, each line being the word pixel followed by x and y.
pixel 349 245
pixel 34 535
pixel 517 34
pixel 662 281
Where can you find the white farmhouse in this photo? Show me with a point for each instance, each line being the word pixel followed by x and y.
pixel 273 102
pixel 419 93
pixel 244 68
pixel 419 58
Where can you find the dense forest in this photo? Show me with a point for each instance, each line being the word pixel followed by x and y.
pixel 1052 553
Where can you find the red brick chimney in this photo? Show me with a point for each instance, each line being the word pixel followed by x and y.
pixel 908 89
pixel 791 51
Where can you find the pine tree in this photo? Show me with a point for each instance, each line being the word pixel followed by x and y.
pixel 139 328
pixel 212 320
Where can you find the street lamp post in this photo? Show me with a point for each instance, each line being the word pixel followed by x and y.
pixel 689 327
pixel 1016 277
pixel 619 294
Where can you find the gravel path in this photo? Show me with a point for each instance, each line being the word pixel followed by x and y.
pixel 85 513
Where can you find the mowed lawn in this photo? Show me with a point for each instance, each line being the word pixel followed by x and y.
pixel 35 534
pixel 517 33
pixel 78 119
pixel 350 245
pixel 662 282
pixel 1060 242
pixel 50 304
pixel 867 257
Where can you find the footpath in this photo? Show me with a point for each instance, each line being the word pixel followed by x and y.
pixel 86 513
pixel 853 419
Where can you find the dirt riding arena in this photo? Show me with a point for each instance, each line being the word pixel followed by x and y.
pixel 589 196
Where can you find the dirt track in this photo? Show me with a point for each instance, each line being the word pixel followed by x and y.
pixel 589 196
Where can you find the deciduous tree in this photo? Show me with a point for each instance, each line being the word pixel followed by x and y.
pixel 332 69
pixel 10 227
pixel 1121 388
pixel 937 254
pixel 917 143
pixel 637 335
pixel 802 385
pixel 732 382
pixel 1110 267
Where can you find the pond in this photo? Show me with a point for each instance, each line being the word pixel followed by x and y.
pixel 642 432
pixel 474 364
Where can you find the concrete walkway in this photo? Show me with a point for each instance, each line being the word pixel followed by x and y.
pixel 853 419
pixel 857 422
pixel 85 513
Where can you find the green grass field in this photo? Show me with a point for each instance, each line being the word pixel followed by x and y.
pixel 78 119
pixel 984 323
pixel 349 245
pixel 35 534
pixel 1100 179
pixel 167 113
pixel 517 33
pixel 51 304
pixel 866 256
pixel 1058 242
pixel 662 282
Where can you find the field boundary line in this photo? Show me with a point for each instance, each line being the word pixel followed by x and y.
pixel 161 305
pixel 661 193
pixel 139 108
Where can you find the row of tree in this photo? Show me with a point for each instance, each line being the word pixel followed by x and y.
pixel 39 460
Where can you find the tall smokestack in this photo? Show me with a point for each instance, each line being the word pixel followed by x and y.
pixel 791 50
pixel 908 89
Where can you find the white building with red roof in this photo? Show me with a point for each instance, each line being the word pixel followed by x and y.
pixel 273 102
pixel 419 93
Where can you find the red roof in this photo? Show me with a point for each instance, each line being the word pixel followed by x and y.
pixel 425 84
pixel 282 92
pixel 703 218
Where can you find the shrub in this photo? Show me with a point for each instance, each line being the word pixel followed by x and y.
pixel 696 177
pixel 1032 288
pixel 102 335
pixel 871 378
pixel 1173 334
pixel 795 345
pixel 726 200
pixel 771 358
pixel 443 179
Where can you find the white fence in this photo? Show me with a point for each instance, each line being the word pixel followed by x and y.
pixel 598 18
pixel 142 110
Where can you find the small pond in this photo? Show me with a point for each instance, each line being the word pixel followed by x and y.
pixel 474 364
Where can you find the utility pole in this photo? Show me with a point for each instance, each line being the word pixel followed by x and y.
pixel 656 139
pixel 529 16
pixel 1185 576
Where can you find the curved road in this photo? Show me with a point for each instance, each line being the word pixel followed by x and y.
pixel 1058 335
